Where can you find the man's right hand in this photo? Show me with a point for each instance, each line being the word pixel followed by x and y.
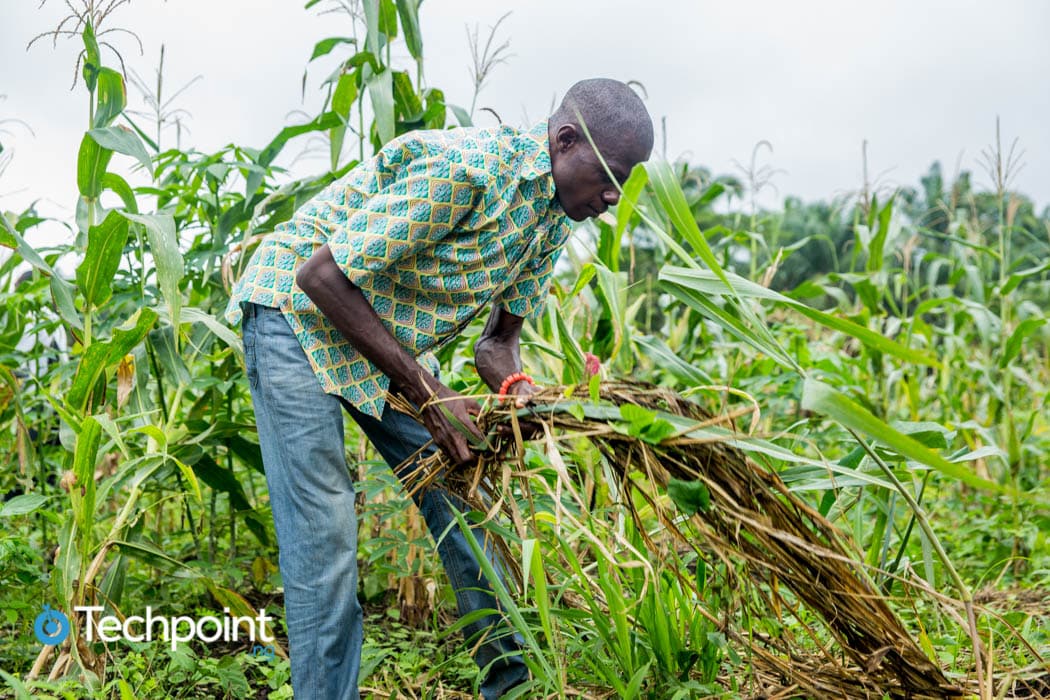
pixel 446 415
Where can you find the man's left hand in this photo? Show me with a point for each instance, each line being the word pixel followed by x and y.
pixel 522 392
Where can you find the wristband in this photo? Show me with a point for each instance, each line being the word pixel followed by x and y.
pixel 513 379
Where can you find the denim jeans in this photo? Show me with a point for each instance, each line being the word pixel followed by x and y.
pixel 312 498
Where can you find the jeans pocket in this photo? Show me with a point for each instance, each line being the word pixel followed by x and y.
pixel 248 334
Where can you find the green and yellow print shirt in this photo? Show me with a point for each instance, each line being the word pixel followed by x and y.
pixel 434 228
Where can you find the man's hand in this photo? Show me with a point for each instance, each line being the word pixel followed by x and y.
pixel 522 393
pixel 446 415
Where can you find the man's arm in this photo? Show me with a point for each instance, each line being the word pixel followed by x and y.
pixel 346 307
pixel 497 355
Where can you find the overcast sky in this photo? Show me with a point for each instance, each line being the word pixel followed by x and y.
pixel 921 81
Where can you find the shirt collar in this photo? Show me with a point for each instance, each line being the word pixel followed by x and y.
pixel 534 147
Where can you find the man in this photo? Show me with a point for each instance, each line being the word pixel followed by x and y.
pixel 386 264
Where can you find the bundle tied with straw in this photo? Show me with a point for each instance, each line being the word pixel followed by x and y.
pixel 751 517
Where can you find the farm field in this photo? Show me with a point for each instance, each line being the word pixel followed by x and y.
pixel 791 450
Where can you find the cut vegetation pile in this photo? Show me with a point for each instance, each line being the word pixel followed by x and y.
pixel 744 514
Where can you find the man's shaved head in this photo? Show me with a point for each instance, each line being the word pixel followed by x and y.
pixel 616 119
pixel 613 114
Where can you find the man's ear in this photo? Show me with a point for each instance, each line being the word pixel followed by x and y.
pixel 567 136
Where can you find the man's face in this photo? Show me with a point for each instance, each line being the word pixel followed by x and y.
pixel 582 186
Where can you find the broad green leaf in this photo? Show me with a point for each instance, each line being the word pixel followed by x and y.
pixel 163 342
pixel 878 242
pixel 573 369
pixel 187 473
pixel 122 140
pixel 164 244
pixel 92 161
pixel 819 397
pixel 104 248
pixel 111 95
pixel 22 505
pixel 99 356
pixel 691 497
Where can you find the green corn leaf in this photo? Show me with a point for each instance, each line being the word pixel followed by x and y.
pixel 632 189
pixel 92 57
pixel 82 492
pixel 164 244
pixel 665 359
pixel 406 101
pixel 381 92
pixel 702 284
pixel 92 161
pixel 408 10
pixel 62 293
pixel 325 46
pixel 100 356
pixel 104 248
pixel 1013 344
pixel 387 20
pixel 819 397
pixel 121 139
pixel 371 8
pixel 120 187
pixel 672 199
pixel 707 305
pixel 1015 279
pixel 266 156
pixel 112 97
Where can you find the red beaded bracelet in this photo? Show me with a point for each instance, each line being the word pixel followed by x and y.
pixel 513 379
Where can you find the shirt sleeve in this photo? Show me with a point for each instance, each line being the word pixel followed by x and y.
pixel 428 198
pixel 525 296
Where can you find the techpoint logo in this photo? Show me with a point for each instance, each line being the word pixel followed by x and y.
pixel 52 627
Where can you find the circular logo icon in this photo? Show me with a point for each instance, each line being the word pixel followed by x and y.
pixel 51 626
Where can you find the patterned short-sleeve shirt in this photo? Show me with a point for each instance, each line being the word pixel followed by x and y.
pixel 432 229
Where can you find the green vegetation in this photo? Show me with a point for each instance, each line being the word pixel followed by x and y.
pixel 887 355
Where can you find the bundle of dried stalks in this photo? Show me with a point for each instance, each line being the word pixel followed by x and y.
pixel 752 517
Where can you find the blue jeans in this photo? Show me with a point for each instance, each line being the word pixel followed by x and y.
pixel 312 498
